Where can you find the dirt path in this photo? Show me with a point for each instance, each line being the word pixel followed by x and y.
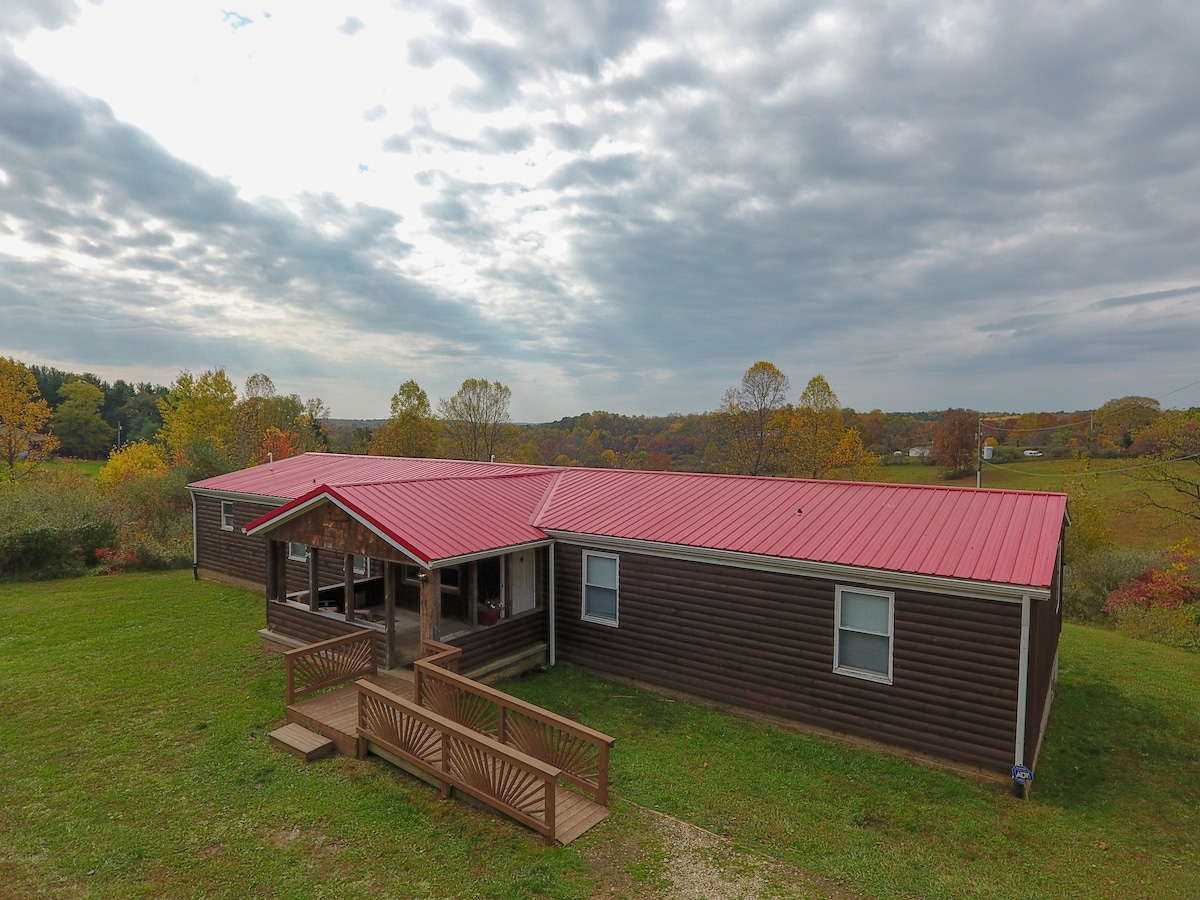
pixel 665 858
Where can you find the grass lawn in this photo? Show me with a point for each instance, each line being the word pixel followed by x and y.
pixel 135 763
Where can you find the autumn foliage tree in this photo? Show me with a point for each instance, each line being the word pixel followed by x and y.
pixel 819 444
pixel 752 423
pixel 198 420
pixel 955 441
pixel 412 429
pixel 475 419
pixel 23 416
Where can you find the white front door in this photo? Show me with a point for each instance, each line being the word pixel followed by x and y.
pixel 524 581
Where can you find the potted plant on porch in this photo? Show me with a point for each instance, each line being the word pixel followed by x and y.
pixel 489 609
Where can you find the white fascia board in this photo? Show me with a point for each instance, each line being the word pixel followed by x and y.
pixel 486 554
pixel 934 584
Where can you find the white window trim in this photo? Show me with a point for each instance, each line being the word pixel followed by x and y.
pixel 600 620
pixel 865 674
pixel 227 515
pixel 294 557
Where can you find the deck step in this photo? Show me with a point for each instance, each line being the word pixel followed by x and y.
pixel 300 742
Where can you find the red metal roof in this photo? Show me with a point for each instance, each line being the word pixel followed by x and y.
pixel 1009 537
pixel 441 509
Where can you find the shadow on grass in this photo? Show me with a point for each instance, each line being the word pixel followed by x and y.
pixel 1102 744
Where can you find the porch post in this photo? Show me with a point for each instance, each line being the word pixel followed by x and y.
pixel 272 570
pixel 348 585
pixel 431 605
pixel 473 593
pixel 389 614
pixel 314 587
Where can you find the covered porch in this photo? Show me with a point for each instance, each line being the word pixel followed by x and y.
pixel 332 569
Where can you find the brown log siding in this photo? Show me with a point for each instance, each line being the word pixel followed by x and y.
pixel 233 554
pixel 764 641
pixel 308 627
pixel 1045 626
pixel 486 645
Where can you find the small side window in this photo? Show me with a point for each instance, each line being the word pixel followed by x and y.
pixel 600 591
pixel 227 515
pixel 297 552
pixel 863 647
pixel 362 565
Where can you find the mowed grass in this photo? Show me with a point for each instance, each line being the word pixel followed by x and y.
pixel 135 764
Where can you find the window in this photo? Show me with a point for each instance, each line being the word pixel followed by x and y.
pixel 450 579
pixel 297 552
pixel 362 565
pixel 600 588
pixel 227 515
pixel 863 648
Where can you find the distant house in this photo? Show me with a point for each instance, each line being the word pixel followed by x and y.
pixel 921 452
pixel 925 618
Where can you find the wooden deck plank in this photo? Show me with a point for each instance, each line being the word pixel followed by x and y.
pixel 574 814
pixel 300 742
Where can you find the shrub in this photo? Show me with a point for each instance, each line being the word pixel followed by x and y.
pixel 52 524
pixel 153 516
pixel 1090 578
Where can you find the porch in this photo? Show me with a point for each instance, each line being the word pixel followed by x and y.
pixel 497 600
pixel 539 769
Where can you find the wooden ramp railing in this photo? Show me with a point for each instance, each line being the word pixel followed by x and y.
pixel 336 661
pixel 506 779
pixel 578 752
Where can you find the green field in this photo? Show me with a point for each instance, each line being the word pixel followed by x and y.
pixel 135 764
pixel 1131 525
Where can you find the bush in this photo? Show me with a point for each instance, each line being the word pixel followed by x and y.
pixel 51 525
pixel 154 522
pixel 1090 578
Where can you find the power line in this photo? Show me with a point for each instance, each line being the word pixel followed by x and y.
pixel 1153 465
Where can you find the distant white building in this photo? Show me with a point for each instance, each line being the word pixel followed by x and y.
pixel 920 451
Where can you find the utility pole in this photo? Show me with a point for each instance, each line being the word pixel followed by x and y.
pixel 979 452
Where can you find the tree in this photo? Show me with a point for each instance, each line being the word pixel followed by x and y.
pixel 412 429
pixel 135 460
pixel 199 411
pixel 751 424
pixel 1118 421
pixel 955 441
pixel 474 419
pixel 816 431
pixel 77 422
pixel 23 415
pixel 1172 484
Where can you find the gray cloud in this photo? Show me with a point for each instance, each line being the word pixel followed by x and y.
pixel 932 203
pixel 351 26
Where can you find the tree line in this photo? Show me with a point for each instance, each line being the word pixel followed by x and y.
pixel 756 428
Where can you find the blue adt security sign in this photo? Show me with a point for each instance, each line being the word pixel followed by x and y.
pixel 1022 775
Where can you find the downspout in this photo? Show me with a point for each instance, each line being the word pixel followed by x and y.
pixel 1022 682
pixel 195 542
pixel 550 599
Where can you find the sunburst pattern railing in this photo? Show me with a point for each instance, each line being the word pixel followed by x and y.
pixel 578 751
pixel 508 779
pixel 514 786
pixel 541 740
pixel 325 664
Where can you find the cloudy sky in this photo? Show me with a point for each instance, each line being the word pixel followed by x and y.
pixel 608 205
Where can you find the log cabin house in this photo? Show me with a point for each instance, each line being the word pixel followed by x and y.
pixel 924 618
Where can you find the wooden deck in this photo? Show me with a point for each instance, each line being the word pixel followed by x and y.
pixel 335 714
pixel 500 751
